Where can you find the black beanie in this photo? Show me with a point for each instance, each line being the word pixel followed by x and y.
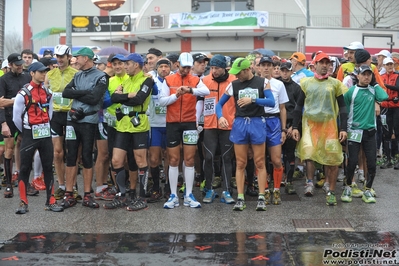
pixel 361 56
pixel 154 51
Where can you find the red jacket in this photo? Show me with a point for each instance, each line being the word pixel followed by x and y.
pixel 183 110
pixel 216 92
pixel 390 79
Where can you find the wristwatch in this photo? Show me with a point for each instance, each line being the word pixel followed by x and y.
pixel 253 100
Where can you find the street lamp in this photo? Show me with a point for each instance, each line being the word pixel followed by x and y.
pixel 109 5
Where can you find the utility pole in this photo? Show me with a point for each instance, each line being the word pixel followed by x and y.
pixel 307 13
pixel 69 23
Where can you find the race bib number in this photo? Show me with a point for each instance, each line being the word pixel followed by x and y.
pixel 41 131
pixel 248 93
pixel 111 120
pixel 126 109
pixel 190 137
pixel 160 110
pixel 384 120
pixel 355 135
pixel 70 133
pixel 209 106
pixel 58 99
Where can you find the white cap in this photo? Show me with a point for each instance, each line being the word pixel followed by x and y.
pixel 354 46
pixel 385 53
pixel 4 64
pixel 387 61
pixel 62 49
pixel 186 59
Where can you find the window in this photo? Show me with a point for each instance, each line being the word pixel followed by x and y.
pixel 199 6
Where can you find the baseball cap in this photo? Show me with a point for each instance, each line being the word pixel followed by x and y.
pixel 200 57
pixel 85 51
pixel 4 64
pixel 364 68
pixel 173 57
pixel 265 59
pixel 120 57
pixel 385 53
pixel 354 46
pixel 186 59
pixel 62 49
pixel 299 56
pixel 48 52
pixel 286 65
pixel 239 64
pixel 135 57
pixel 387 61
pixel 15 58
pixel 321 56
pixel 38 66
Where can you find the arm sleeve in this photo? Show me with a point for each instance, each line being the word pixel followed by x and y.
pixel 199 109
pixel 298 110
pixel 107 100
pixel 71 93
pixel 165 98
pixel 267 101
pixel 2 94
pixel 95 95
pixel 155 90
pixel 142 94
pixel 18 109
pixel 201 89
pixel 391 87
pixel 219 105
pixel 343 113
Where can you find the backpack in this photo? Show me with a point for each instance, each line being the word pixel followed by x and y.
pixel 28 94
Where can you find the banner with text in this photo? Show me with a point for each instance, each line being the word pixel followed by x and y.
pixel 100 23
pixel 228 18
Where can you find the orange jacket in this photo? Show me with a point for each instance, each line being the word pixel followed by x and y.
pixel 216 92
pixel 183 110
pixel 390 79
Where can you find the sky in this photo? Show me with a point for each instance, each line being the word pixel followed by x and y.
pixel 13 11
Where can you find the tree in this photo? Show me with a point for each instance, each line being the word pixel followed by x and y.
pixel 377 11
pixel 12 43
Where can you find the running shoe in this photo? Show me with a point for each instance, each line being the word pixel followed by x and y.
pixel 31 191
pixel 166 191
pixel 261 205
pixel 88 201
pixel 368 197
pixel 289 188
pixel 309 189
pixel 156 196
pixel 251 191
pixel 209 196
pixel 104 194
pixel 341 176
pixel 38 183
pixel 116 203
pixel 190 201
pixel 298 173
pixel 202 186
pixel 4 182
pixel 346 194
pixel 360 177
pixel 227 198
pixel 330 199
pixel 386 163
pixel 23 208
pixel 268 197
pixel 320 183
pixel 326 187
pixel 240 205
pixel 172 202
pixel 356 192
pixel 217 182
pixel 59 194
pixel 233 182
pixel 14 179
pixel 9 192
pixel 76 195
pixel 68 201
pixel 276 197
pixel 55 207
pixel 137 205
